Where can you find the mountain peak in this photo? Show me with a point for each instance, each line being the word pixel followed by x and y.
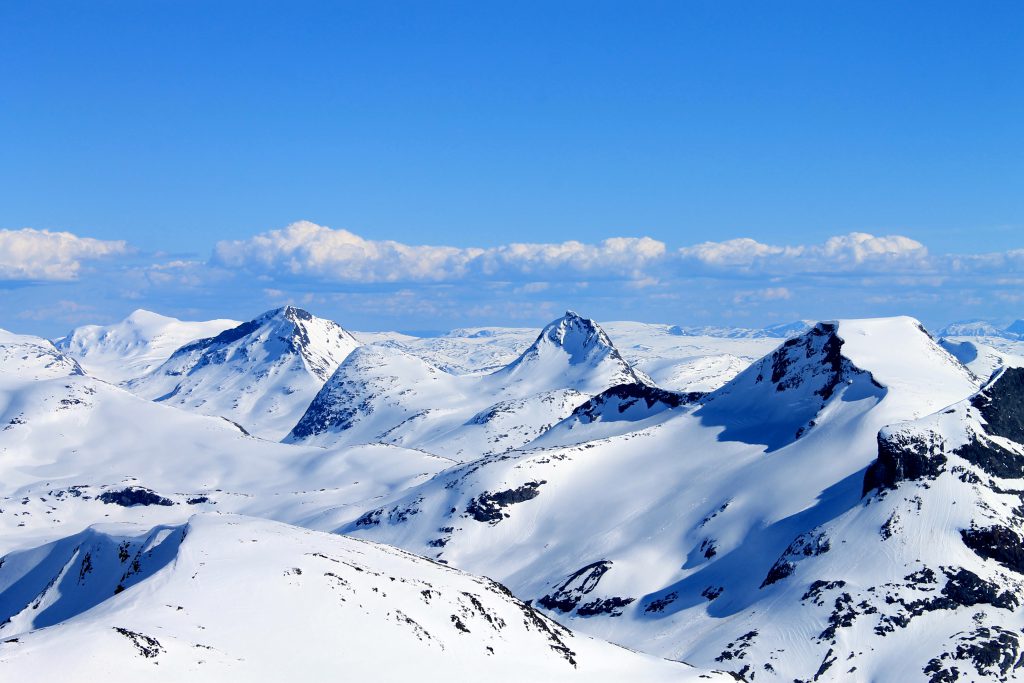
pixel 577 345
pixel 575 334
pixel 291 313
pixel 777 400
pixel 261 374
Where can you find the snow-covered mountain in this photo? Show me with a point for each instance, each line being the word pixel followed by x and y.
pixel 134 346
pixel 779 331
pixel 224 598
pixel 261 374
pixel 661 537
pixel 983 328
pixel 76 450
pixel 843 508
pixel 682 363
pixel 383 394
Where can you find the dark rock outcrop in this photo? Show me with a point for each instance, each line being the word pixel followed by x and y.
pixel 133 495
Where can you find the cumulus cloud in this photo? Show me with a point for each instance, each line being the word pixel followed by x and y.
pixel 308 249
pixel 29 254
pixel 305 248
pixel 856 251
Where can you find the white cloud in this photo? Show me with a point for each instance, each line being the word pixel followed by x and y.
pixel 307 249
pixel 737 252
pixel 766 294
pixel 856 251
pixel 29 254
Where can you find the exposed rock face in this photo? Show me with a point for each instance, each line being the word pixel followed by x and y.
pixel 581 582
pixel 1001 405
pixel 488 507
pixel 905 457
pixel 637 399
pixel 787 389
pixel 133 495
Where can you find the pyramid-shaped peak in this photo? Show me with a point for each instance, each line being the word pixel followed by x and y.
pixel 294 313
pixel 574 332
pixel 290 313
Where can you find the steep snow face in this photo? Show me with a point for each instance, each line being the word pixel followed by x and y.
pixel 75 450
pixel 779 399
pixel 661 538
pixel 134 346
pixel 261 374
pixel 923 579
pixel 383 394
pixel 226 598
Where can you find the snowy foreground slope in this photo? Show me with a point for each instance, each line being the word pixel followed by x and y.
pixel 383 394
pixel 224 598
pixel 261 374
pixel 662 538
pixel 134 346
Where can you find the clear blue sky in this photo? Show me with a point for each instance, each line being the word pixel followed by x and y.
pixel 177 124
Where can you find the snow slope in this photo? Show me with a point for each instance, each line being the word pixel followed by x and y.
pixel 461 351
pixel 224 598
pixel 985 355
pixel 75 450
pixel 659 538
pixel 383 394
pixel 134 346
pixel 261 374
pixel 677 362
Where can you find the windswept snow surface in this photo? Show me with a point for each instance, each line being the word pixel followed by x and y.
pixel 261 374
pixel 134 346
pixel 224 598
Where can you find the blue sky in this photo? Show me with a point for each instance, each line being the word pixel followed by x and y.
pixel 187 136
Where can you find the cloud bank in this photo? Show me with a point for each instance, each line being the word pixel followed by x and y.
pixel 29 254
pixel 305 249
pixel 308 249
pixel 386 283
